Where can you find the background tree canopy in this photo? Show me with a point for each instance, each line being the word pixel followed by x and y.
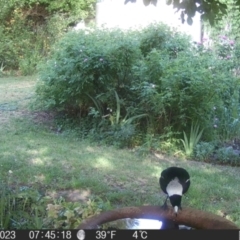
pixel 28 28
pixel 210 10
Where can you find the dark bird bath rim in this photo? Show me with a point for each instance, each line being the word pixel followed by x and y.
pixel 188 216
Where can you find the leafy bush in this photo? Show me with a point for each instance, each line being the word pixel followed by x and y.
pixel 161 37
pixel 227 121
pixel 204 150
pixel 95 74
pixel 155 76
pixel 177 91
pixel 227 156
pixel 88 66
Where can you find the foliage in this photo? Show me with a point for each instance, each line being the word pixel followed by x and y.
pixel 210 11
pixel 96 81
pixel 1 70
pixel 228 124
pixel 21 209
pixel 204 150
pixel 68 215
pixel 227 156
pixel 176 91
pixel 29 28
pixel 88 65
pixel 82 8
pixel 195 135
pixel 162 37
pixel 228 26
pixel 28 209
pixel 127 83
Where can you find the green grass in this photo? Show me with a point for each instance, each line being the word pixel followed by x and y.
pixel 15 93
pixel 33 154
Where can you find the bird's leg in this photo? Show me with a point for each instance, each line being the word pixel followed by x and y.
pixel 180 208
pixel 165 206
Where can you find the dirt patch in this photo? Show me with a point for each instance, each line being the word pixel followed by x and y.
pixel 70 195
pixel 43 117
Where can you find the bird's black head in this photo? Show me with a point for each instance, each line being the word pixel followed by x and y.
pixel 176 202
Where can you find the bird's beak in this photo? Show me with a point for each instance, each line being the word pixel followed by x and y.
pixel 176 210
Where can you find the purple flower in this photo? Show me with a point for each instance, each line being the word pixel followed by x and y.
pixel 228 57
pixel 231 42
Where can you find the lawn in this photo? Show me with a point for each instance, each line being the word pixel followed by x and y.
pixel 34 153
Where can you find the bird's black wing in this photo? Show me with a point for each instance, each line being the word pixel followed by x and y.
pixel 163 185
pixel 163 181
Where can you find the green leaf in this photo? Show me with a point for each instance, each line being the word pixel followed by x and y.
pixel 168 2
pixel 154 2
pixel 189 20
pixel 146 2
pixel 97 104
pixel 131 119
pixel 194 138
pixel 118 108
pixel 176 4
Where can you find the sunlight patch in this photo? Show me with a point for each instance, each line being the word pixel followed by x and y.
pixel 90 149
pixel 37 161
pixel 103 163
pixel 39 178
pixel 156 171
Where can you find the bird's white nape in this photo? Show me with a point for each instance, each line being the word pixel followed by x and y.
pixel 174 187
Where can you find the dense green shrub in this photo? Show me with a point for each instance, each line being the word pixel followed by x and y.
pixel 91 73
pixel 227 156
pixel 176 92
pixel 156 78
pixel 204 150
pixel 161 37
pixel 86 68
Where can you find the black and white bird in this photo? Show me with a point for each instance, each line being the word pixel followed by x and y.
pixel 174 181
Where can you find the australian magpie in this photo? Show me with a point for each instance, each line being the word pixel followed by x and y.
pixel 174 181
